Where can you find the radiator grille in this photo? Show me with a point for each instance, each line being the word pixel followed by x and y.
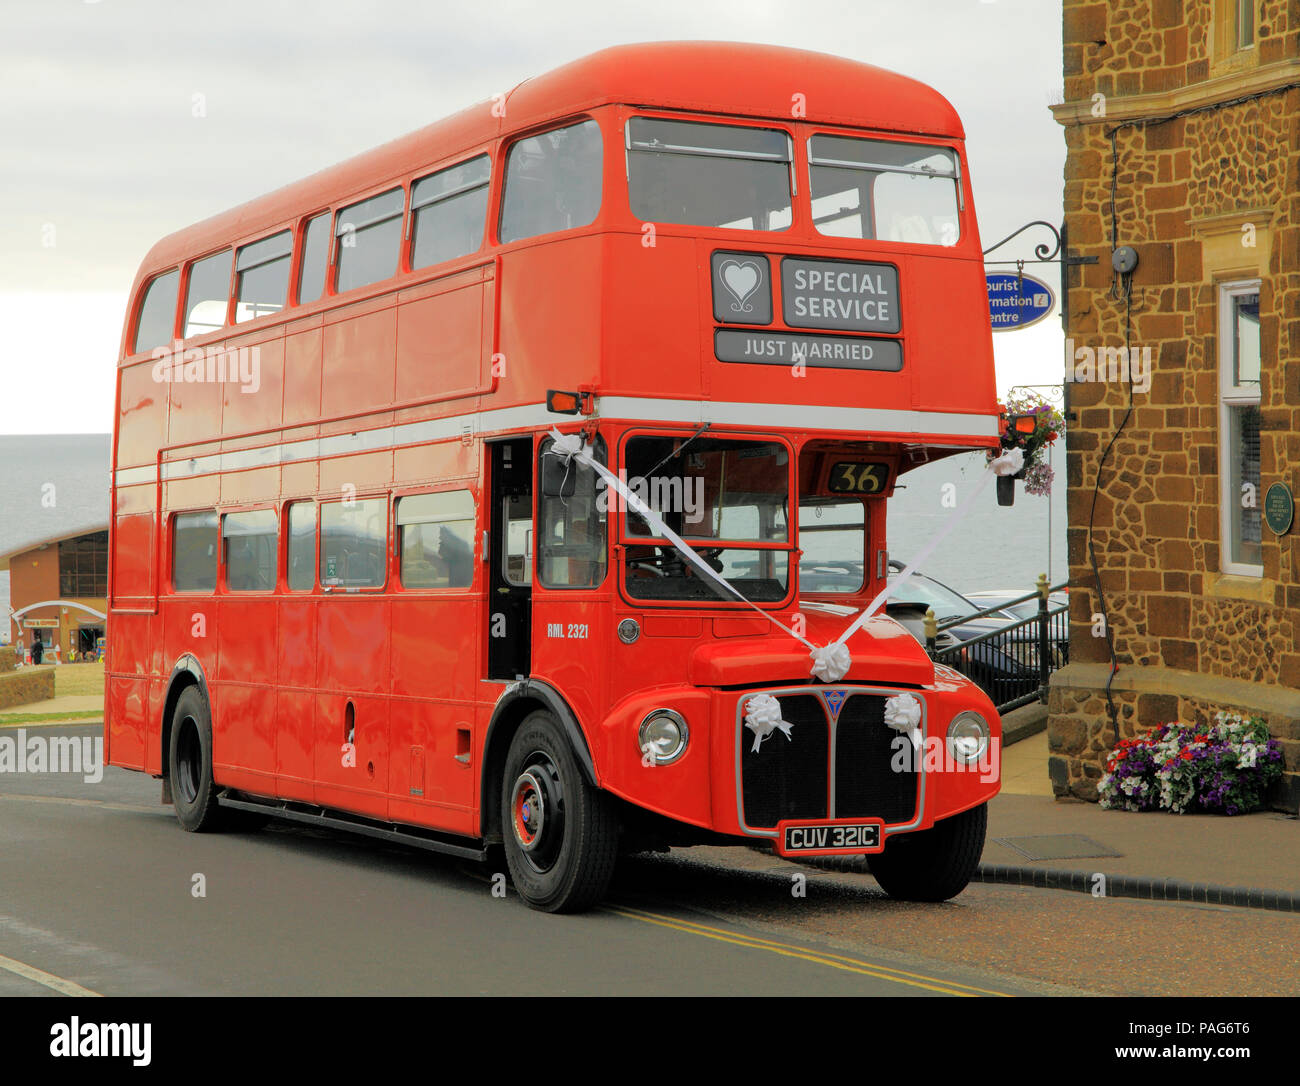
pixel 866 784
pixel 787 778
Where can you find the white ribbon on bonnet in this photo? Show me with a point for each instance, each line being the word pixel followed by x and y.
pixel 832 662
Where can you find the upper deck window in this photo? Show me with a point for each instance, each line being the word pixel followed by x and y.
pixel 885 191
pixel 708 174
pixel 553 182
pixel 158 313
pixel 449 212
pixel 263 270
pixel 208 294
pixel 315 255
pixel 369 237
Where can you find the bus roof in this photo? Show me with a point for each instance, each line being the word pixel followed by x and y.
pixel 709 77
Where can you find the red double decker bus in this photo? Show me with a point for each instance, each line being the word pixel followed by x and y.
pixel 363 575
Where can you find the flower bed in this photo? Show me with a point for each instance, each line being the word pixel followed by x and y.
pixel 1225 768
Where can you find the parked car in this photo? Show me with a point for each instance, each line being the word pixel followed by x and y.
pixel 1005 668
pixel 1058 629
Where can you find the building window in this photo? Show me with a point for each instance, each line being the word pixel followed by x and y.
pixel 1244 23
pixel 1239 368
pixel 83 567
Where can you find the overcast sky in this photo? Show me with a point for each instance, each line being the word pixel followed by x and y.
pixel 123 120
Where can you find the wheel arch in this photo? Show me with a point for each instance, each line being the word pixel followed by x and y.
pixel 519 700
pixel 186 672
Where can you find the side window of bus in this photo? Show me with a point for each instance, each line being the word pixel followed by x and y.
pixel 449 212
pixel 571 551
pixel 354 543
pixel 263 276
pixel 369 235
pixel 194 551
pixel 435 539
pixel 315 256
pixel 208 294
pixel 251 549
pixel 553 182
pixel 157 322
pixel 302 547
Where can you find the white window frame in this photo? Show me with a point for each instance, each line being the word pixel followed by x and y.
pixel 1232 394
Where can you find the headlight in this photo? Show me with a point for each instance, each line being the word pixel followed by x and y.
pixel 968 736
pixel 665 733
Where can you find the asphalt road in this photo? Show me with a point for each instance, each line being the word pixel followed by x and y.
pixel 97 893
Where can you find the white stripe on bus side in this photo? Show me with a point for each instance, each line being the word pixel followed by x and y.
pixel 695 412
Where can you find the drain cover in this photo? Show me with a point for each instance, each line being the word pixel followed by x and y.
pixel 1056 846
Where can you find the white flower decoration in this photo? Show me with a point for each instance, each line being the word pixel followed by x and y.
pixel 763 717
pixel 903 714
pixel 831 662
pixel 1008 463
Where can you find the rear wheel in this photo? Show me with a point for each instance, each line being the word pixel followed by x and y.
pixel 560 833
pixel 934 864
pixel 190 764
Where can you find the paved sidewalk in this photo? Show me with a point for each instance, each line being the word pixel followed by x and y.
pixel 79 708
pixel 1256 850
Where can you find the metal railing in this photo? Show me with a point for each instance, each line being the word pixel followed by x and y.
pixel 1012 663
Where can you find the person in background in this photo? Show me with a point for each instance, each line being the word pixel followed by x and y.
pixel 38 649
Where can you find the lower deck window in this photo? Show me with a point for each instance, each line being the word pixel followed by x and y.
pixel 353 543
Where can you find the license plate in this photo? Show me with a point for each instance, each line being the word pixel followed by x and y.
pixel 829 838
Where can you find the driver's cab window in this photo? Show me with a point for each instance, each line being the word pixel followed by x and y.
pixel 571 534
pixel 832 537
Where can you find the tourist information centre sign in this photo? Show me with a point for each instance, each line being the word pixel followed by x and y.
pixel 1016 301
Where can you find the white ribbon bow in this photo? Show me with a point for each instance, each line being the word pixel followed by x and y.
pixel 831 662
pixel 763 717
pixel 1009 462
pixel 903 714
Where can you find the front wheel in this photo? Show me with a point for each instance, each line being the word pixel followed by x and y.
pixel 560 832
pixel 934 864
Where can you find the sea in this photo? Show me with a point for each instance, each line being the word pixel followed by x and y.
pixel 992 546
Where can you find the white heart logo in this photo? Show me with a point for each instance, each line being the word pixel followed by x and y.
pixel 742 279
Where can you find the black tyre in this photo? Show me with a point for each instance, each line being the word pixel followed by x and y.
pixel 560 833
pixel 935 864
pixel 189 765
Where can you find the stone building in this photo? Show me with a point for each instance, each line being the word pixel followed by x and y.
pixel 1182 124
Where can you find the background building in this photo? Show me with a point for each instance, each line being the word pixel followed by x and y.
pixel 54 538
pixel 1182 122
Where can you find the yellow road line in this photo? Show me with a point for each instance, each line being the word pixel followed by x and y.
pixel 835 961
pixel 58 984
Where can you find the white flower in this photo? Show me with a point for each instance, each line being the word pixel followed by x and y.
pixel 763 717
pixel 903 714
pixel 831 662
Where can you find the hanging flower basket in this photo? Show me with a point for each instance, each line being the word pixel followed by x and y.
pixel 1032 426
